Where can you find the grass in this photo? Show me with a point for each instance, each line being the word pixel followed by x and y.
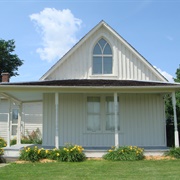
pixel 162 169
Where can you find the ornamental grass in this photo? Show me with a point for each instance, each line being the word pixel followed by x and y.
pixel 124 153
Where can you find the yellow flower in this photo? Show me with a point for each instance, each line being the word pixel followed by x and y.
pixel 57 154
pixel 47 151
pixel 110 150
pixel 4 144
pixel 39 151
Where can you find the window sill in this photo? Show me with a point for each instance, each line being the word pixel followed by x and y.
pixel 103 132
pixel 103 76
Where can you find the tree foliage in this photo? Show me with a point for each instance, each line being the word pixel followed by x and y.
pixel 168 101
pixel 9 62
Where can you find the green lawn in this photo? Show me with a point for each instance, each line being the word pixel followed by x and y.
pixel 163 169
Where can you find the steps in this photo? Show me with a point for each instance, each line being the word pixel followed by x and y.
pixel 12 153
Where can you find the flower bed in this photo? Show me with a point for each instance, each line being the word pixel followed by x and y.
pixel 125 153
pixel 69 153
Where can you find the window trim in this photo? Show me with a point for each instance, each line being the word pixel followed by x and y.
pixel 102 115
pixel 102 55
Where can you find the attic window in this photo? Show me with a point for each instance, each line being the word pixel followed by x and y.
pixel 102 58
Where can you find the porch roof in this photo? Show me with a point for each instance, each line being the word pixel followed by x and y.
pixel 33 91
pixel 92 82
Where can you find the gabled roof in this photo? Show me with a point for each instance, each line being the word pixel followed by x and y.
pixel 81 41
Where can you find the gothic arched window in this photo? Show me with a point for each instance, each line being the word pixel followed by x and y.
pixel 102 58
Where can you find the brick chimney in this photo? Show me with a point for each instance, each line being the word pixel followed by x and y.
pixel 5 77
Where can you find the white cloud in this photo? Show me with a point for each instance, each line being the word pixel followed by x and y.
pixel 165 74
pixel 58 30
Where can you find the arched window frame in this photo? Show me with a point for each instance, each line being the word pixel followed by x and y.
pixel 105 64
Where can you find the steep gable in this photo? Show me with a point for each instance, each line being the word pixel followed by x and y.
pixel 127 63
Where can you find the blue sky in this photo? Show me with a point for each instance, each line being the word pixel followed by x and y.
pixel 44 30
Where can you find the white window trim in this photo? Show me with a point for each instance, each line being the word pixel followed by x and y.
pixel 92 55
pixel 102 115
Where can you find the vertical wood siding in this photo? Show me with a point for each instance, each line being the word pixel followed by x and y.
pixel 126 64
pixel 142 121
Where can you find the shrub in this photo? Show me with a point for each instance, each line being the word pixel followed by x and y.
pixel 69 153
pixel 174 152
pixel 32 154
pixel 1 151
pixel 2 143
pixel 125 153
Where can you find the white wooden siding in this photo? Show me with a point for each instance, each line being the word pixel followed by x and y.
pixel 31 117
pixel 142 121
pixel 3 118
pixel 126 64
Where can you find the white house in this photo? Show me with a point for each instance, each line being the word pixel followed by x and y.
pixel 99 94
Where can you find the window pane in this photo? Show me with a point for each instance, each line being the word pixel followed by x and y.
pixel 110 123
pixel 102 43
pixel 93 105
pixel 107 50
pixel 93 113
pixel 93 123
pixel 97 50
pixel 14 116
pixel 97 65
pixel 14 130
pixel 107 62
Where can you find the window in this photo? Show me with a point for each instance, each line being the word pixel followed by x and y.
pixel 14 121
pixel 102 58
pixel 93 114
pixel 110 123
pixel 100 111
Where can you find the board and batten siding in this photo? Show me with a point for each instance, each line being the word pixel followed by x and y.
pixel 142 121
pixel 127 65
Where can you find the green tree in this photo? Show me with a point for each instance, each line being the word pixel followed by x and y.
pixel 170 113
pixel 9 62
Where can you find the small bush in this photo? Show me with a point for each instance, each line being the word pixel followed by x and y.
pixel 174 152
pixel 69 153
pixel 33 154
pixel 125 153
pixel 1 151
pixel 2 143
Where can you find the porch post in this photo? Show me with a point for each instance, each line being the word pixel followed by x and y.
pixel 116 120
pixel 19 124
pixel 9 125
pixel 56 119
pixel 176 134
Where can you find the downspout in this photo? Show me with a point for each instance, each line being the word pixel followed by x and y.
pixel 176 134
